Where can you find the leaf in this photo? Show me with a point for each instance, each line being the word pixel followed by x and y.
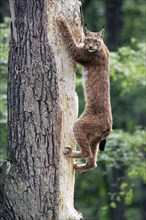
pixel 113 205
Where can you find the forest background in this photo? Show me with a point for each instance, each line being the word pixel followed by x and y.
pixel 116 189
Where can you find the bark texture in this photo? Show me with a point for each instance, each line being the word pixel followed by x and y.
pixel 42 108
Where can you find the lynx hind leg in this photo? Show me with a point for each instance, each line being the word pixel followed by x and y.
pixel 82 141
pixel 90 162
pixel 69 152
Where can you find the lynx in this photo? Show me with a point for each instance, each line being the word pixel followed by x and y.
pixel 95 123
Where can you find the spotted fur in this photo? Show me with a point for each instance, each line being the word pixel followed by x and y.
pixel 95 123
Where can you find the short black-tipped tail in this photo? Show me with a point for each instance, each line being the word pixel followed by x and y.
pixel 102 145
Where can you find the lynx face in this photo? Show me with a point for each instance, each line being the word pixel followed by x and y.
pixel 93 41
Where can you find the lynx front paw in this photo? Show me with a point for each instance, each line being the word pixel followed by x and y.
pixel 59 18
pixel 67 151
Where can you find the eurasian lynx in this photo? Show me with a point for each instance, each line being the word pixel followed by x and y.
pixel 95 124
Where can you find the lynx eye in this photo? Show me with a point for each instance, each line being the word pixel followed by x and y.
pixel 97 43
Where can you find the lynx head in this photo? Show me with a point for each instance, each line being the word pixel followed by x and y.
pixel 93 40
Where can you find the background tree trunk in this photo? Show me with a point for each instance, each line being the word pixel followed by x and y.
pixel 42 108
pixel 114 18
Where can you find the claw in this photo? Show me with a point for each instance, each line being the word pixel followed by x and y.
pixel 75 165
pixel 67 150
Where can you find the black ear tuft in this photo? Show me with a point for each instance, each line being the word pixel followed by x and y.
pixel 102 32
pixel 102 145
pixel 85 30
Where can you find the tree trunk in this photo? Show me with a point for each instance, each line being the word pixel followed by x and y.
pixel 42 107
pixel 114 18
pixel 117 175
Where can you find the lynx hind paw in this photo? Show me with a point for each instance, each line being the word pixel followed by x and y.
pixel 75 165
pixel 83 167
pixel 67 150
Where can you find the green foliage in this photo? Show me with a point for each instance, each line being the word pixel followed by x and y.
pixel 3 140
pixel 4 9
pixel 123 151
pixel 126 148
pixel 4 39
pixel 126 151
pixel 133 15
pixel 128 86
pixel 93 14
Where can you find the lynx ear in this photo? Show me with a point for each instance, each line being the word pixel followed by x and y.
pixel 101 33
pixel 85 30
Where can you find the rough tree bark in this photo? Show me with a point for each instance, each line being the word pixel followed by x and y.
pixel 42 107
